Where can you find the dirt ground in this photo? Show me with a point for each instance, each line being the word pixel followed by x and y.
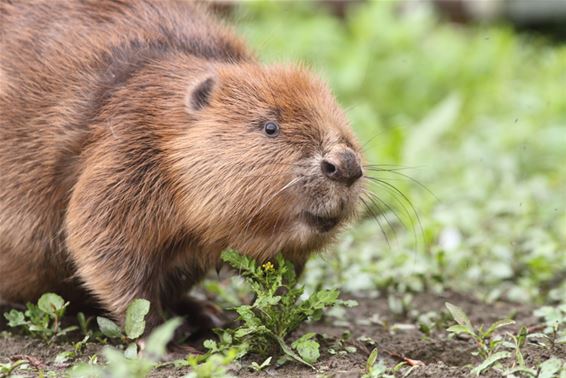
pixel 396 338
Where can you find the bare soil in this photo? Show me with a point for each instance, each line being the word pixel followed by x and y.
pixel 369 325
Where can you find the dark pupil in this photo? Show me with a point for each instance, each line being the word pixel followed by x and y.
pixel 270 128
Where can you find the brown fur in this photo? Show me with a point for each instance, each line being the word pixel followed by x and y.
pixel 132 152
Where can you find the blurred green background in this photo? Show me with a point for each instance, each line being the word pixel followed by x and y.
pixel 475 113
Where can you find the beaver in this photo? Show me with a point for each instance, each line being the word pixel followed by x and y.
pixel 140 139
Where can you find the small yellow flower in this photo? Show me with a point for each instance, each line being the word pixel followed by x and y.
pixel 268 267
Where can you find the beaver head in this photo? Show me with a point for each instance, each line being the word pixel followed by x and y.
pixel 267 161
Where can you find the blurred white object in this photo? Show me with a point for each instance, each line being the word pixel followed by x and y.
pixel 450 239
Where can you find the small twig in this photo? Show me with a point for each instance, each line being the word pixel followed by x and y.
pixel 33 361
pixel 536 328
pixel 409 361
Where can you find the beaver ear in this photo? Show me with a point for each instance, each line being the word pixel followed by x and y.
pixel 199 94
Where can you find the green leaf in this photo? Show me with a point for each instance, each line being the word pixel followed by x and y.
pixel 490 361
pixel 66 330
pixel 38 328
pixel 15 318
pixel 244 331
pixel 83 323
pixel 550 368
pixel 371 359
pixel 131 351
pixel 522 336
pixel 210 345
pixel 134 324
pixel 350 349
pixel 459 315
pixel 289 352
pixel 521 369
pixel 308 350
pixel 247 315
pixel 239 262
pixel 108 327
pixel 287 270
pixel 324 298
pixel 120 366
pixel 63 357
pixel 156 344
pixel 268 301
pixel 457 329
pixel 498 324
pixel 256 367
pixel 50 303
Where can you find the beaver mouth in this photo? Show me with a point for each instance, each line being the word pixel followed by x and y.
pixel 321 223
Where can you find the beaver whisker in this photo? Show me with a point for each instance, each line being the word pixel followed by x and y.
pixel 385 167
pixel 409 215
pixel 376 217
pixel 396 172
pixel 375 200
pixel 404 199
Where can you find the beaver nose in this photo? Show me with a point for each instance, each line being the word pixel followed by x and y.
pixel 342 167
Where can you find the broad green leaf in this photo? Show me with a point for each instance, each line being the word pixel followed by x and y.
pixel 15 318
pixel 157 341
pixel 108 327
pixel 308 349
pixel 50 303
pixel 459 315
pixel 239 262
pixel 248 316
pixel 134 324
pixel 289 352
pixel 131 351
pixel 457 329
pixel 324 297
pixel 490 361
pixel 210 344
pixel 550 368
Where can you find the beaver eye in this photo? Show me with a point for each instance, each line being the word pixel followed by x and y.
pixel 271 129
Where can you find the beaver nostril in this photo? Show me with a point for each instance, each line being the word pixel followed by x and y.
pixel 346 170
pixel 328 168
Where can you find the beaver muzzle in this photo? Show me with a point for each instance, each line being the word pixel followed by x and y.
pixel 320 223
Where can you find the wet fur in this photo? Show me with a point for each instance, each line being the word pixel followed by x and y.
pixel 132 154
